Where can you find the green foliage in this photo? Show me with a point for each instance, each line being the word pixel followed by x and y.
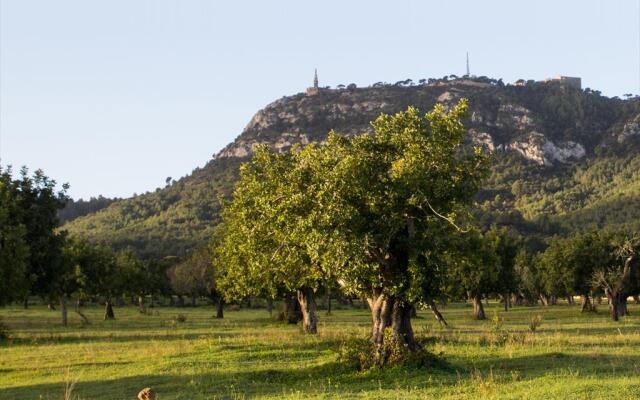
pixel 194 276
pixel 31 257
pixel 363 354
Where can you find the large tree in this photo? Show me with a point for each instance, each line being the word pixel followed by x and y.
pixel 392 201
pixel 264 242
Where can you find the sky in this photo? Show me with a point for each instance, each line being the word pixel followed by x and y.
pixel 115 96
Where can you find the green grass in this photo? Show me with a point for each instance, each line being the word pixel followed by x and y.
pixel 248 355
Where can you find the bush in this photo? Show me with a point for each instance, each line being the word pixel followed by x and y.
pixel 535 322
pixel 181 318
pixel 362 354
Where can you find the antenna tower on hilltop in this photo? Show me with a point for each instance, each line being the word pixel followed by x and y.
pixel 468 73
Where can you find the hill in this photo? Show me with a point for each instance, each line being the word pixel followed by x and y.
pixel 564 159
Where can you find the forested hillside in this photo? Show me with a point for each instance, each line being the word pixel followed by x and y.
pixel 564 159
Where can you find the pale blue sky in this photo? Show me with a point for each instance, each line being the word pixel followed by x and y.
pixel 114 96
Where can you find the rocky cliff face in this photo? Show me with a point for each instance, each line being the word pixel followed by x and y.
pixel 539 133
pixel 504 119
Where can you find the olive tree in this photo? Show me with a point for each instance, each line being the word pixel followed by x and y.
pixel 389 203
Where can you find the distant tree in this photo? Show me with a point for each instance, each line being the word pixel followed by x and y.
pixel 506 244
pixel 352 86
pixel 196 276
pixel 39 202
pixel 474 268
pixel 14 249
pixel 620 279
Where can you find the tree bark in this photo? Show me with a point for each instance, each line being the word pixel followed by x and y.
pixel 585 303
pixel 544 299
pixel 141 304
pixel 478 309
pixel 436 313
pixel 270 306
pixel 401 324
pixel 180 301
pixel 108 310
pixel 83 317
pixel 381 308
pixel 328 300
pixel 193 301
pixel 63 309
pixel 308 308
pixel 291 310
pixel 219 307
pixel 570 300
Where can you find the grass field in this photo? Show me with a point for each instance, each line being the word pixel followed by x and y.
pixel 248 355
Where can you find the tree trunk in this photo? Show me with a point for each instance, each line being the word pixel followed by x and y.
pixel 436 313
pixel 308 308
pixel 141 304
pixel 478 309
pixel 506 299
pixel 83 317
pixel 544 299
pixel 51 306
pixel 613 303
pixel 291 310
pixel 63 309
pixel 401 324
pixel 585 303
pixel 26 302
pixel 193 301
pixel 171 301
pixel 180 301
pixel 328 300
pixel 108 310
pixel 570 300
pixel 381 308
pixel 270 306
pixel 636 299
pixel 219 307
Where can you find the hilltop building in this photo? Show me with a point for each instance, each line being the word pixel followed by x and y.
pixel 569 81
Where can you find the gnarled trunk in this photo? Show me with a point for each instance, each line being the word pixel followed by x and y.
pixel 401 324
pixel 83 317
pixel 478 309
pixel 63 309
pixel 108 310
pixel 387 312
pixel 308 309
